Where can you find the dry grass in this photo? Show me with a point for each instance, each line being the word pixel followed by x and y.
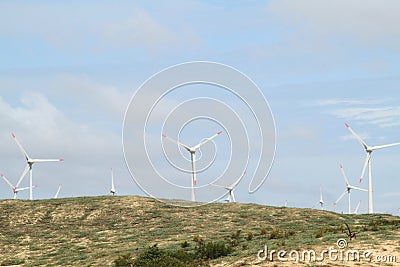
pixel 94 231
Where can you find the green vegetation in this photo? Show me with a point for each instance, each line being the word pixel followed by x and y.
pixel 121 231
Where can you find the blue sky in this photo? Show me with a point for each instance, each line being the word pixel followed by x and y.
pixel 69 68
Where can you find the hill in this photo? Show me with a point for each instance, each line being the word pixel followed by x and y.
pixel 94 231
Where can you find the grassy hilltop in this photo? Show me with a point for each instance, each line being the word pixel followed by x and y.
pixel 94 231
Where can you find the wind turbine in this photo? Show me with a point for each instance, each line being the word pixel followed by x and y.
pixel 112 190
pixel 28 167
pixel 321 201
pixel 348 189
pixel 231 197
pixel 358 205
pixel 369 150
pixel 58 191
pixel 15 188
pixel 192 151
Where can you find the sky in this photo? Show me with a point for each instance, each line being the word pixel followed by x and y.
pixel 69 69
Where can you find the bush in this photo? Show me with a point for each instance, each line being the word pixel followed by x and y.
pixel 153 256
pixel 278 234
pixel 185 244
pixel 213 250
pixel 197 239
pixel 236 235
pixel 250 236
pixel 263 231
pixel 124 261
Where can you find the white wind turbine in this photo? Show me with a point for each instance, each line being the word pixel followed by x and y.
pixel 192 151
pixel 58 191
pixel 15 188
pixel 369 150
pixel 112 190
pixel 348 189
pixel 231 196
pixel 321 200
pixel 28 167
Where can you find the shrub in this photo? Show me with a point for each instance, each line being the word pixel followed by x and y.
pixel 185 244
pixel 124 261
pixel 263 231
pixel 250 236
pixel 197 239
pixel 213 250
pixel 236 235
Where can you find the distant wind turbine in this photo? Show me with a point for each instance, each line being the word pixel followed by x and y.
pixel 112 190
pixel 58 191
pixel 28 167
pixel 231 196
pixel 321 200
pixel 15 188
pixel 348 189
pixel 369 150
pixel 192 150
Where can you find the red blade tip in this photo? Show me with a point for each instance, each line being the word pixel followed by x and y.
pixel 334 204
pixel 361 180
pixel 163 135
pixel 347 126
pixel 219 132
pixel 61 160
pixel 13 135
pixel 341 166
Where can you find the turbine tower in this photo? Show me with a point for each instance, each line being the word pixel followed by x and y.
pixel 369 150
pixel 348 189
pixel 231 197
pixel 58 191
pixel 15 188
pixel 30 161
pixel 192 151
pixel 112 190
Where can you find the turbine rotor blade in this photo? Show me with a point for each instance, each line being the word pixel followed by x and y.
pixel 344 174
pixel 23 175
pixel 357 188
pixel 20 146
pixel 358 205
pixel 367 159
pixel 176 142
pixel 47 160
pixel 206 140
pixel 341 196
pixel 384 146
pixel 7 181
pixel 356 136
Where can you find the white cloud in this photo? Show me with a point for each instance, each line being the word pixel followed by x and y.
pixel 366 21
pixel 90 26
pixel 381 116
pixel 348 102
